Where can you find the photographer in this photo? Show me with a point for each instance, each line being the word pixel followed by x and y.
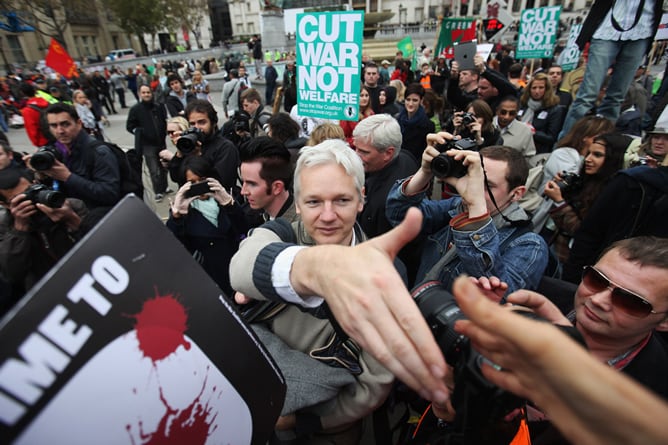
pixel 207 222
pixel 202 139
pixel 237 129
pixel 476 123
pixel 573 195
pixel 483 232
pixel 37 227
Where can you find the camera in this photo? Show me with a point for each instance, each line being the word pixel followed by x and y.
pixel 198 189
pixel 642 160
pixel 241 121
pixel 188 140
pixel 444 166
pixel 468 119
pixel 45 157
pixel 570 182
pixel 481 406
pixel 41 194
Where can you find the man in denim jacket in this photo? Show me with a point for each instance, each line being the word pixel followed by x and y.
pixel 489 236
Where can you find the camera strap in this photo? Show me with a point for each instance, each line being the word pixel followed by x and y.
pixel 512 222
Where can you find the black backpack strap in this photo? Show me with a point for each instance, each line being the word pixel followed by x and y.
pixel 283 229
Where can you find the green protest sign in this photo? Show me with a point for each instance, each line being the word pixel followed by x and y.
pixel 538 32
pixel 454 31
pixel 329 50
pixel 569 57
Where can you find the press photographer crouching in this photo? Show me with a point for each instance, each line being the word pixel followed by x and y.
pixel 237 128
pixel 481 232
pixel 38 226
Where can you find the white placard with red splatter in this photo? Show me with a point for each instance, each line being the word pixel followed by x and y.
pixel 131 342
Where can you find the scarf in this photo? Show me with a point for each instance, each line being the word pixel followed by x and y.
pixel 208 208
pixel 532 106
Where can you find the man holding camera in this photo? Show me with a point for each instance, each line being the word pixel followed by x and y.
pixel 205 141
pixel 37 227
pixel 84 168
pixel 483 232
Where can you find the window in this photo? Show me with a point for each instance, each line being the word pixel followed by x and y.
pixel 251 28
pixel 419 14
pixel 15 48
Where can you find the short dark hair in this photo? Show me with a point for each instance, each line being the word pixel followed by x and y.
pixel 283 127
pixel 172 77
pixel 62 107
pixel 274 158
pixel 518 167
pixel 643 250
pixel 201 167
pixel 510 98
pixel 414 88
pixel 202 106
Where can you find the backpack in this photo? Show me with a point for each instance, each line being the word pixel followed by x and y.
pixel 129 167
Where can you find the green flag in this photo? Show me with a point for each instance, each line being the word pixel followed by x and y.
pixel 406 46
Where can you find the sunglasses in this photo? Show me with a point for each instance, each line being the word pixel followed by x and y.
pixel 629 302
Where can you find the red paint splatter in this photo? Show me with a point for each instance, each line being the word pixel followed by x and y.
pixel 160 327
pixel 191 425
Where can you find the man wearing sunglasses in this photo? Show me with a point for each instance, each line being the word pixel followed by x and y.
pixel 515 134
pixel 619 304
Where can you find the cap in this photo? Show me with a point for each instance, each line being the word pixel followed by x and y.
pixel 385 62
pixel 658 130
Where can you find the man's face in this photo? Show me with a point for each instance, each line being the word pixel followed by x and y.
pixel 250 106
pixel 255 189
pixel 63 127
pixel 5 159
pixel 328 208
pixel 176 86
pixel 496 177
pixel 201 121
pixel 242 71
pixel 506 113
pixel 371 76
pixel 555 74
pixel 146 94
pixel 372 159
pixel 466 77
pixel 598 319
pixel 486 90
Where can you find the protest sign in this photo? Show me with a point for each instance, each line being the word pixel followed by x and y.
pixel 454 31
pixel 329 58
pixel 569 57
pixel 662 30
pixel 538 32
pixel 128 340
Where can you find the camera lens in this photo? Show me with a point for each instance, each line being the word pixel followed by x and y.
pixel 187 143
pixel 51 198
pixel 42 160
pixel 444 166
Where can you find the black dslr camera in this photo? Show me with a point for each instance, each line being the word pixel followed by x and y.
pixel 241 121
pixel 481 406
pixel 188 140
pixel 467 119
pixel 444 166
pixel 45 157
pixel 570 183
pixel 41 194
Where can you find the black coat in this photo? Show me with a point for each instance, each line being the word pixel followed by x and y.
pixel 377 185
pixel 414 131
pixel 547 123
pixel 151 118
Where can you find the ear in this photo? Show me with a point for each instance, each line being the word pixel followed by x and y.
pixel 517 193
pixel 663 326
pixel 389 153
pixel 277 187
pixel 360 206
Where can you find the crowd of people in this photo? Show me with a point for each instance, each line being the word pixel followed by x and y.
pixel 319 229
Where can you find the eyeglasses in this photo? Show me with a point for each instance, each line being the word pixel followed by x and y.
pixel 627 301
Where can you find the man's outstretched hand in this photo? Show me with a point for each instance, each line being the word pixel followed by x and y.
pixel 371 303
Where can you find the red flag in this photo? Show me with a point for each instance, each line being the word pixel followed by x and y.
pixel 61 62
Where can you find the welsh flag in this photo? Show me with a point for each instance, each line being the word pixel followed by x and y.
pixel 454 30
pixel 61 62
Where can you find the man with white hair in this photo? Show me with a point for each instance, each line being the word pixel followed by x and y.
pixel 332 384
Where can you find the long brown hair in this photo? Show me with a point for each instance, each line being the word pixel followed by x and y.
pixel 550 99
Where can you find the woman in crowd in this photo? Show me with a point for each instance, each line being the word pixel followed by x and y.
pixel 387 97
pixel 476 124
pixel 433 105
pixel 573 195
pixel 414 122
pixel 365 111
pixel 324 131
pixel 208 221
pixel 85 112
pixel 401 90
pixel 540 108
pixel 199 86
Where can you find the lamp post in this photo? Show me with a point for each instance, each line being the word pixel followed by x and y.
pixel 400 8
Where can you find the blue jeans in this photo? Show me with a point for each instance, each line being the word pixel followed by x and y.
pixel 627 56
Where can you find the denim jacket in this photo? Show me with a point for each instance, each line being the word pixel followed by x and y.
pixel 521 263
